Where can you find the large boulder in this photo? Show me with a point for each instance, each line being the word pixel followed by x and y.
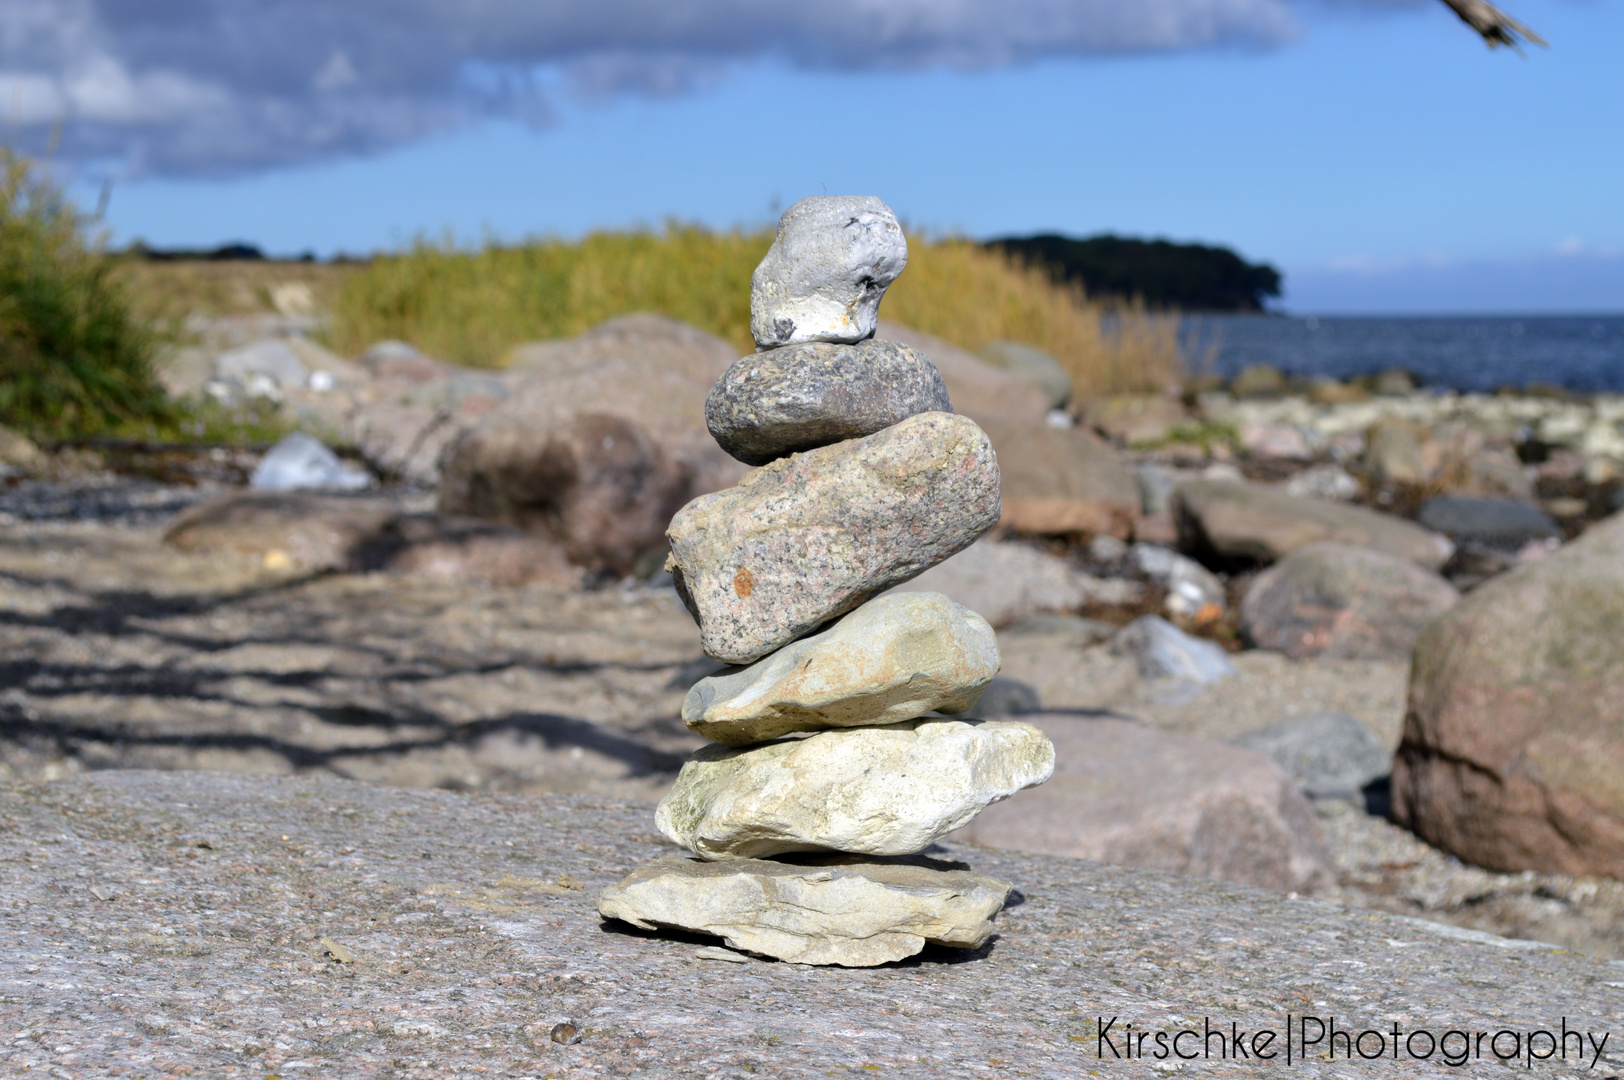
pixel 1128 794
pixel 599 485
pixel 1343 602
pixel 1228 521
pixel 1005 581
pixel 1062 481
pixel 398 408
pixel 1056 481
pixel 1032 366
pixel 1513 748
pixel 648 369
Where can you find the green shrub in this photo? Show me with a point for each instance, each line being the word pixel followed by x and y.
pixel 74 360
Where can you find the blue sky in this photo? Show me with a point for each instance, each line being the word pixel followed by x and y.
pixel 1375 151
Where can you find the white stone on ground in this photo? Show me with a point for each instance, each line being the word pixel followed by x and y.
pixel 300 462
pixel 872 791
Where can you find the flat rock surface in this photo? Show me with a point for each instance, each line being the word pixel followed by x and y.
pixel 120 652
pixel 848 911
pixel 1129 794
pixel 801 397
pixel 470 927
pixel 1252 523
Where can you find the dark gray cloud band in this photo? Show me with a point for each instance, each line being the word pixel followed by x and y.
pixel 215 87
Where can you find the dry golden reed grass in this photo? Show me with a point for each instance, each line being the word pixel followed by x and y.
pixel 473 306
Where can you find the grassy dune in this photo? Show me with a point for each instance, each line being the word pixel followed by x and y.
pixel 472 306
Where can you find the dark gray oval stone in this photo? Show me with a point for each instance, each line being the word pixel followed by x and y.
pixel 801 397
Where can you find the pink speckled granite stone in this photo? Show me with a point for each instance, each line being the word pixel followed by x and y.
pixel 813 535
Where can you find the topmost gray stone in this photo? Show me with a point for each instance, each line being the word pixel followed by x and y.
pixel 824 275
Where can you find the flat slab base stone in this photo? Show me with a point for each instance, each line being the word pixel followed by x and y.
pixel 845 912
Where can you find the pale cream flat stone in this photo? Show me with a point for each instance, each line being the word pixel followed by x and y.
pixel 852 912
pixel 893 659
pixel 872 790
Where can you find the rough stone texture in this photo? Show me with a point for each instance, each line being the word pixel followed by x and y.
pixel 846 911
pixel 1006 581
pixel 1329 754
pixel 466 550
pixel 599 485
pixel 648 369
pixel 979 390
pixel 401 410
pixel 1343 601
pixel 19 455
pixel 1133 418
pixel 473 928
pixel 1128 794
pixel 1056 481
pixel 1505 523
pixel 1061 481
pixel 1163 651
pixel 1393 452
pixel 827 269
pixel 1247 523
pixel 802 397
pixel 869 791
pixel 810 537
pixel 893 659
pixel 288 532
pixel 1513 748
pixel 1032 366
pixel 313 532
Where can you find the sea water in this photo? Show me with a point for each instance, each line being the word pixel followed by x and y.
pixel 1582 353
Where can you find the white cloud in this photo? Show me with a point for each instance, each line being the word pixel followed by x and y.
pixel 219 86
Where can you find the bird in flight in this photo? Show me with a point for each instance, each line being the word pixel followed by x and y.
pixel 1496 26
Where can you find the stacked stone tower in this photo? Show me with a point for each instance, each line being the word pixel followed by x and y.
pixel 834 766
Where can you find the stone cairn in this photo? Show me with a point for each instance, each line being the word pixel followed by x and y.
pixel 808 844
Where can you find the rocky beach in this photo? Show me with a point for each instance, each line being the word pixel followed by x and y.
pixel 1330 657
